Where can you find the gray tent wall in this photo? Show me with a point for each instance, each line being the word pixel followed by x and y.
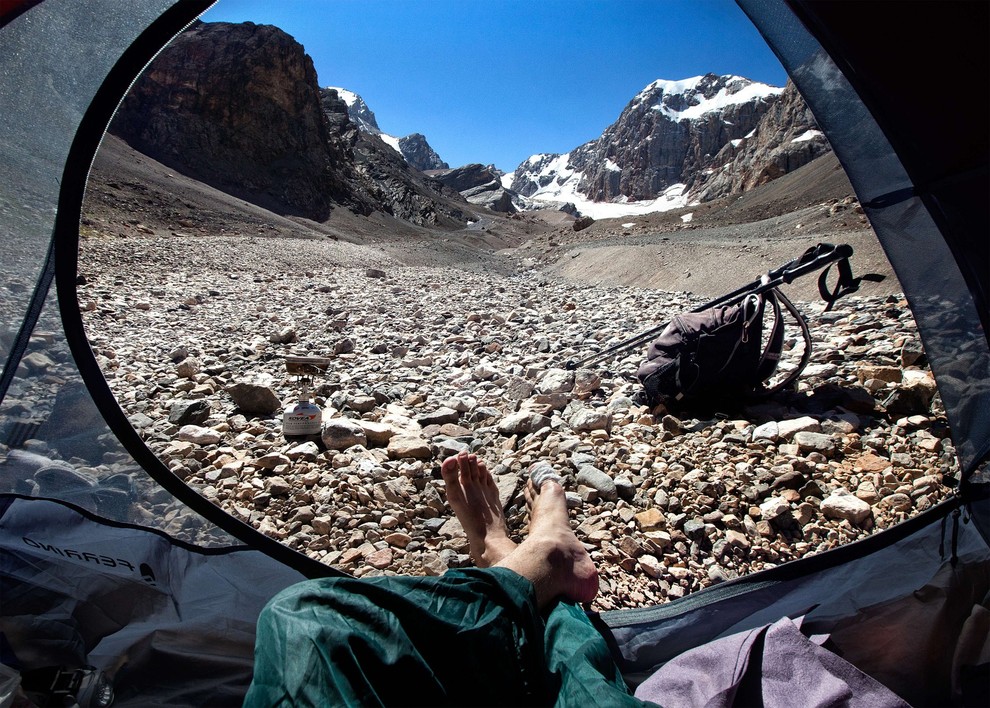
pixel 894 604
pixel 85 579
pixel 106 559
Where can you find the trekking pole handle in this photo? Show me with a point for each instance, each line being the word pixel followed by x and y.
pixel 812 260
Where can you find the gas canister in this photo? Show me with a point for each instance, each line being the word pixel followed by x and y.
pixel 302 420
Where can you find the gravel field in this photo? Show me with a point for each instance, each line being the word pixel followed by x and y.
pixel 192 332
pixel 444 342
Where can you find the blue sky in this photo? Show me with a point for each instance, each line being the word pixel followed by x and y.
pixel 499 80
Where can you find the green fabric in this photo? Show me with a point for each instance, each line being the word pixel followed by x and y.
pixel 580 663
pixel 471 637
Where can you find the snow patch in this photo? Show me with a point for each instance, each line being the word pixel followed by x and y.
pixel 725 97
pixel 807 135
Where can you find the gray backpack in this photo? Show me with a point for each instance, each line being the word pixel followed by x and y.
pixel 720 353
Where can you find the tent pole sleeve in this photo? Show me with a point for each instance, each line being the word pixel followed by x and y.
pixel 29 322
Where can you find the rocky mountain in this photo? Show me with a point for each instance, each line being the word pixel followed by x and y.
pixel 694 139
pixel 383 175
pixel 419 154
pixel 357 110
pixel 479 184
pixel 413 147
pixel 786 138
pixel 238 106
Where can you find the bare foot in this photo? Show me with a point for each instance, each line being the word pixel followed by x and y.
pixel 552 557
pixel 472 494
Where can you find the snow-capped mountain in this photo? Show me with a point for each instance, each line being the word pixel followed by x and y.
pixel 413 147
pixel 320 149
pixel 671 141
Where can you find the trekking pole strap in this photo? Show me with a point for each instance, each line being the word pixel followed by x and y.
pixel 845 285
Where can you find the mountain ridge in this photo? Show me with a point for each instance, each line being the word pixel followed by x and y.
pixel 677 142
pixel 379 187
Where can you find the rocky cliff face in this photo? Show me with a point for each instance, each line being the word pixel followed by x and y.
pixel 481 185
pixel 237 106
pixel 713 134
pixel 786 138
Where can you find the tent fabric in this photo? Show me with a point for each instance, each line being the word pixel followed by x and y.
pixel 87 513
pixel 169 622
pixel 921 175
pixel 470 637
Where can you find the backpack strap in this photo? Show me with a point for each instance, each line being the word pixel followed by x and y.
pixel 805 355
pixel 775 344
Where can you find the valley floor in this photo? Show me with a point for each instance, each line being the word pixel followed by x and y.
pixel 429 359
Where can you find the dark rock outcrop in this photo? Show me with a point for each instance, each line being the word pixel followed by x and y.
pixel 237 106
pixel 480 185
pixel 419 154
pixel 468 177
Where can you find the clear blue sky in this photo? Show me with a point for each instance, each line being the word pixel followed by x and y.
pixel 496 81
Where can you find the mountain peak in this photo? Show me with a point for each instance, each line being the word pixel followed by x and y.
pixel 413 147
pixel 358 110
pixel 691 98
pixel 670 142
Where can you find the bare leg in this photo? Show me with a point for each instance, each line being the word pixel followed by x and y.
pixel 472 494
pixel 552 557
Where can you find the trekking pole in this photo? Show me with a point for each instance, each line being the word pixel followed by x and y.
pixel 811 260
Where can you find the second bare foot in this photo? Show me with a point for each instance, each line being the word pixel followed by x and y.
pixel 552 557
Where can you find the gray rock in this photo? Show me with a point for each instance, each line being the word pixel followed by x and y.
pixel 587 419
pixel 189 412
pixel 198 435
pixel 439 417
pixel 254 398
pixel 342 433
pixel 841 504
pixel 522 423
pixel 815 442
pixel 787 429
pixel 556 381
pixel 599 481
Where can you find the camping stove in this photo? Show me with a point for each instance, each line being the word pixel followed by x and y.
pixel 303 420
